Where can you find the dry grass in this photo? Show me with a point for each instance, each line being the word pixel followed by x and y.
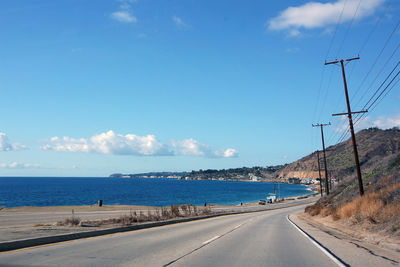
pixel 163 213
pixel 375 207
pixel 175 211
pixel 72 221
pixel 377 210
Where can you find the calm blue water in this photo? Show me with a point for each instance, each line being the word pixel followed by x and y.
pixel 34 191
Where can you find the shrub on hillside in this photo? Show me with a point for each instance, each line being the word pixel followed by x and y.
pixel 376 207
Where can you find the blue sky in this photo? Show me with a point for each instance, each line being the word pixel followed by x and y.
pixel 96 87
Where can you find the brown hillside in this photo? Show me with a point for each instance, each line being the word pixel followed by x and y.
pixel 375 147
pixel 378 211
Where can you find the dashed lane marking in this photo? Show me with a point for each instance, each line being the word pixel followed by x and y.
pixel 211 240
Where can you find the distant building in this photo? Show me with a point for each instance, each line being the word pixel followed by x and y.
pixel 293 180
pixel 253 177
pixel 307 181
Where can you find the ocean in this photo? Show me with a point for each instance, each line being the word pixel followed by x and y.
pixel 64 191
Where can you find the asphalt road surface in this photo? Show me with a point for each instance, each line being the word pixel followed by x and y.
pixel 253 239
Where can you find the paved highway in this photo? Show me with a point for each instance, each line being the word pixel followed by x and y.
pixel 255 239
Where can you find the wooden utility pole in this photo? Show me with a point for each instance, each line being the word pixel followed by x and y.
pixel 319 172
pixel 323 150
pixel 349 115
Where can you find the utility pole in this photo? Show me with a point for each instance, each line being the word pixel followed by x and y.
pixel 349 115
pixel 323 150
pixel 319 172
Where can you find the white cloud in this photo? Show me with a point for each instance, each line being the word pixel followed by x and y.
pixel 386 122
pixel 16 165
pixel 381 123
pixel 123 16
pixel 126 4
pixel 179 22
pixel 5 144
pixel 294 33
pixel 191 147
pixel 230 153
pixel 110 143
pixel 316 15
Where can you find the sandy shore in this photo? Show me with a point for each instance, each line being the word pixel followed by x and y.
pixel 116 207
pixel 83 208
pixel 32 222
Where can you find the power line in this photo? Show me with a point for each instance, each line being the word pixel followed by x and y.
pixel 371 107
pixel 377 90
pixel 379 73
pixel 326 56
pixel 378 56
pixel 384 90
pixel 336 28
pixel 365 43
pixel 387 89
pixel 348 28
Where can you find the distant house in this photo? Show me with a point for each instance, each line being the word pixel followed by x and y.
pixel 293 180
pixel 307 181
pixel 253 177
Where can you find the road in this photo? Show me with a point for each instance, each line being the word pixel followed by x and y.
pixel 252 239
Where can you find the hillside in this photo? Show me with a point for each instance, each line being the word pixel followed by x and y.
pixel 375 147
pixel 378 211
pixel 236 174
pixel 149 175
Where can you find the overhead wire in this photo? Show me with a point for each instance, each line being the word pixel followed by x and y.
pixel 377 57
pixel 378 74
pixel 326 55
pixel 348 28
pixel 338 101
pixel 371 32
pixel 359 116
pixel 377 90
pixel 379 98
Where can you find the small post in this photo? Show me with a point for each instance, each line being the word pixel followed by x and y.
pixel 319 172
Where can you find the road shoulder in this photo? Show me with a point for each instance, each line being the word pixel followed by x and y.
pixel 350 249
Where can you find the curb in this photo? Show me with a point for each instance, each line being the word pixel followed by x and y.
pixel 33 242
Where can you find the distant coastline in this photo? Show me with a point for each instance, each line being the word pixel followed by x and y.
pixel 173 175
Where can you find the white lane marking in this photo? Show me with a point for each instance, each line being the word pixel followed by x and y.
pixel 218 236
pixel 237 226
pixel 211 240
pixel 327 253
